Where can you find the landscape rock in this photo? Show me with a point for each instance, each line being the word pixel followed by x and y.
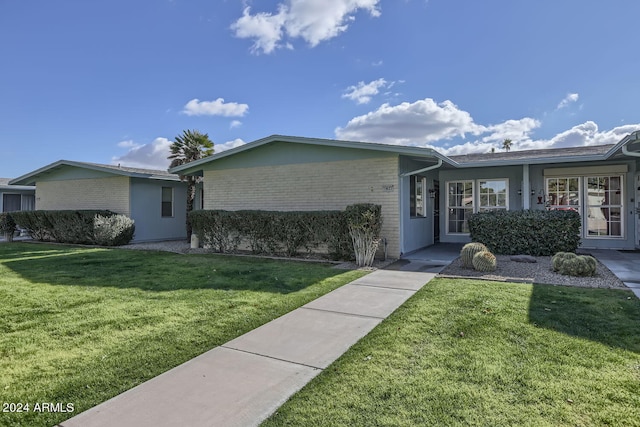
pixel 523 258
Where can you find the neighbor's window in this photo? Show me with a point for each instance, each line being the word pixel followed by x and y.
pixel 604 206
pixel 460 205
pixel 167 201
pixel 493 195
pixel 416 200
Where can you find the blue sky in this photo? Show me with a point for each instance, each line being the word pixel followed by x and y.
pixel 115 81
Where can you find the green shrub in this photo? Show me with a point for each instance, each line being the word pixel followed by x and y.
pixel 468 251
pixel 77 226
pixel 570 264
pixel 365 222
pixel 531 232
pixel 114 230
pixel 484 261
pixel 273 232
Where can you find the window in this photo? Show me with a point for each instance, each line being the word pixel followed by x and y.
pixel 11 202
pixel 467 197
pixel 167 201
pixel 460 205
pixel 416 198
pixel 493 195
pixel 564 193
pixel 604 206
pixel 598 199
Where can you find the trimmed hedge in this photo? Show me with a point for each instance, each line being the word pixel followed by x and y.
pixel 93 227
pixel 273 232
pixel 531 232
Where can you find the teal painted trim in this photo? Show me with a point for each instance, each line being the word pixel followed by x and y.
pixel 284 153
pixel 196 166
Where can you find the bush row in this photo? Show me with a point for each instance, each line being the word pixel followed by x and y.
pixel 274 232
pixel 93 227
pixel 532 232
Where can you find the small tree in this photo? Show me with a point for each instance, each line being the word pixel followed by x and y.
pixel 506 144
pixel 365 223
pixel 188 147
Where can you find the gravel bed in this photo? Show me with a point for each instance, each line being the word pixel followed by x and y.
pixel 539 272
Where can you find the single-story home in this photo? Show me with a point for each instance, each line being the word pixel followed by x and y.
pixel 16 197
pixel 425 196
pixel 156 200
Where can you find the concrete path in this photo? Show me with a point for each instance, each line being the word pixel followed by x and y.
pixel 245 380
pixel 624 264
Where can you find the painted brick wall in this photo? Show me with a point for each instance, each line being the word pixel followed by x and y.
pixel 100 193
pixel 311 186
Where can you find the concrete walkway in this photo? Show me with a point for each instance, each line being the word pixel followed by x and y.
pixel 624 264
pixel 245 380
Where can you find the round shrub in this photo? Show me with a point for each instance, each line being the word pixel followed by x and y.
pixel 484 261
pixel 468 251
pixel 570 264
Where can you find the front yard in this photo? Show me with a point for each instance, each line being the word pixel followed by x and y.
pixel 469 352
pixel 82 325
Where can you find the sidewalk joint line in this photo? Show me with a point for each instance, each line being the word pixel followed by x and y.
pixel 342 312
pixel 384 287
pixel 271 357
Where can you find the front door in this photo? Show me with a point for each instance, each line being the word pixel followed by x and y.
pixel 436 211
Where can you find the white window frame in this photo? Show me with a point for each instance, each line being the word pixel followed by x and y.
pixel 489 207
pixel 449 207
pixel 475 200
pixel 583 203
pixel 419 207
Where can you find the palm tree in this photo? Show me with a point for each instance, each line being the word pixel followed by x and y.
pixel 506 144
pixel 191 145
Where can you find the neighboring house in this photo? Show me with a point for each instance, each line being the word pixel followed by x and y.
pixel 155 200
pixel 16 197
pixel 426 196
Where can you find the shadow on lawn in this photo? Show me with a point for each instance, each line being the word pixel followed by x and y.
pixel 610 317
pixel 157 271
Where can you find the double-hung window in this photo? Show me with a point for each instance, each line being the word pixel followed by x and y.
pixel 460 205
pixel 167 202
pixel 469 196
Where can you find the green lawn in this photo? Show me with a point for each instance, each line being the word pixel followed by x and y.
pixel 82 325
pixel 468 352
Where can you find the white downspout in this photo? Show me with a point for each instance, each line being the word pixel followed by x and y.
pixel 432 167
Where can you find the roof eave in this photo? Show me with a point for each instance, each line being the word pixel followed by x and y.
pixel 30 178
pixel 194 167
pixel 534 161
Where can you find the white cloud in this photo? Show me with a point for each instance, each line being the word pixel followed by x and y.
pixel 426 123
pixel 570 98
pixel 416 123
pixel 195 107
pixel 148 156
pixel 312 20
pixel 228 145
pixel 127 144
pixel 235 124
pixel 362 92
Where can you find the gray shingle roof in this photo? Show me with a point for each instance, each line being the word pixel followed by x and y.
pixel 593 150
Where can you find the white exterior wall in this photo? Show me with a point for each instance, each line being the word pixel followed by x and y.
pixel 329 185
pixel 110 193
